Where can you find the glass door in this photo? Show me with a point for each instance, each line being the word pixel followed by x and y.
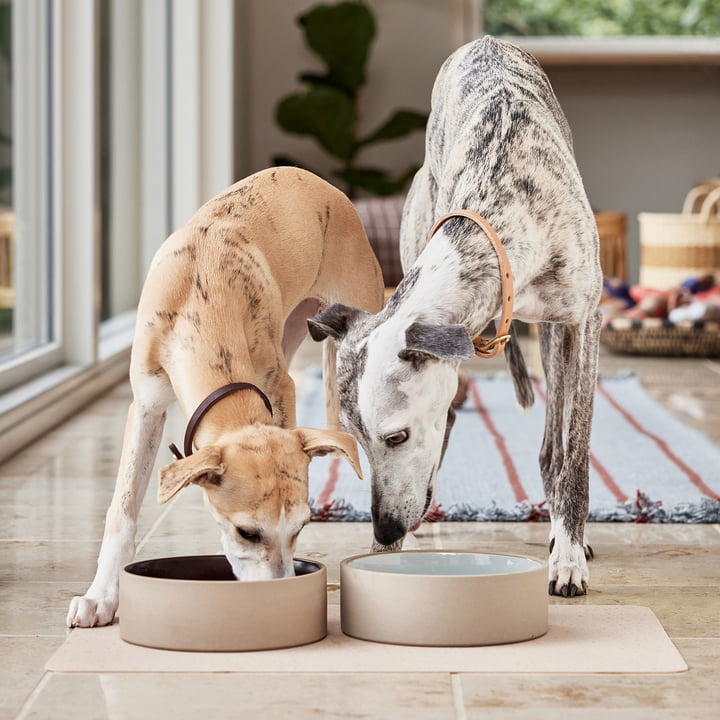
pixel 27 323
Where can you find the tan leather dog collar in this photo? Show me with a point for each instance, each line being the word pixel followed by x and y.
pixel 205 405
pixel 489 348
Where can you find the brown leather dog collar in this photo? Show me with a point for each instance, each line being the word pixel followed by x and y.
pixel 489 348
pixel 205 405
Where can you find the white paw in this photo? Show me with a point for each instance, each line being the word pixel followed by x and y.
pixel 568 571
pixel 88 612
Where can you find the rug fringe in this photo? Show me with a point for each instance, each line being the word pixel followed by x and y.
pixel 640 510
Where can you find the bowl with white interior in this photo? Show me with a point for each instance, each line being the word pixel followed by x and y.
pixel 443 598
pixel 195 603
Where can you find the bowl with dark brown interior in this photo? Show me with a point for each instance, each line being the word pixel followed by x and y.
pixel 195 603
pixel 443 598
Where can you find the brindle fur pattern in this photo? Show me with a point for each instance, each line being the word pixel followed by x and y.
pixel 226 300
pixel 497 143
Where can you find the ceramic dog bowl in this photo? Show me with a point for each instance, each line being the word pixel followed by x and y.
pixel 195 603
pixel 420 597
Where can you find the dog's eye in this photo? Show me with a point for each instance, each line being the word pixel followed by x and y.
pixel 397 438
pixel 249 535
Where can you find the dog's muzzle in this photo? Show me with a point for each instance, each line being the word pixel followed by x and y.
pixel 388 529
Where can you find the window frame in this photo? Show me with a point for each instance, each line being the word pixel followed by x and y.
pixel 467 23
pixel 630 50
pixel 41 388
pixel 32 143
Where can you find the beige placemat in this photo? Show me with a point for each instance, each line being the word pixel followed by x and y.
pixel 581 639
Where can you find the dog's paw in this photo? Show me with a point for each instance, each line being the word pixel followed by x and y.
pixel 589 552
pixel 85 611
pixel 568 570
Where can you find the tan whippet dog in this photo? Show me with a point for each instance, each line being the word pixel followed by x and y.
pixel 223 310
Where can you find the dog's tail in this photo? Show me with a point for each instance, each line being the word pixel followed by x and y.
pixel 519 373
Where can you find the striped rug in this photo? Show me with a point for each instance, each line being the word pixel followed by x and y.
pixel 645 464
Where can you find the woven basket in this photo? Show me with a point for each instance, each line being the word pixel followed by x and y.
pixel 675 247
pixel 612 230
pixel 662 337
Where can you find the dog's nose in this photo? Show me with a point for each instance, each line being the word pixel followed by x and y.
pixel 388 529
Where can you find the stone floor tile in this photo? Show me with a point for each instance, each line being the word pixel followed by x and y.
pixel 695 693
pixel 22 661
pixel 270 697
pixel 36 608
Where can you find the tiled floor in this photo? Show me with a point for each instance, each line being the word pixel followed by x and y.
pixel 53 497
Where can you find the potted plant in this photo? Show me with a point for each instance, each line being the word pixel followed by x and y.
pixel 328 108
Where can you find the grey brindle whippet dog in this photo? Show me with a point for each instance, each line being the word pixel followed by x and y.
pixel 497 144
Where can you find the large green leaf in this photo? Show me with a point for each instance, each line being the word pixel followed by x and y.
pixel 341 35
pixel 326 114
pixel 398 125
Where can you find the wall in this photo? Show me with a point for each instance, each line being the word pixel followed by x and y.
pixel 413 38
pixel 643 135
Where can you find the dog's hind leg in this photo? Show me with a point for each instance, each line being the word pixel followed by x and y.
pixel 358 285
pixel 330 388
pixel 295 329
pixel 295 332
pixel 143 432
pixel 569 356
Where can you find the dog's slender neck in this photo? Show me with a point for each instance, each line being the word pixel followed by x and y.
pixel 443 287
pixel 489 348
pixel 209 402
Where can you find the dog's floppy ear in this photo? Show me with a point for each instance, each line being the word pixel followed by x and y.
pixel 437 342
pixel 317 443
pixel 203 467
pixel 334 321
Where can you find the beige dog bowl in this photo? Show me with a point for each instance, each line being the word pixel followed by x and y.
pixel 420 597
pixel 195 603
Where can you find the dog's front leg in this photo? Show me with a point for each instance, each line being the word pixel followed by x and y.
pixel 570 361
pixel 143 431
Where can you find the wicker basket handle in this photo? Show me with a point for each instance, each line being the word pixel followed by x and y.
pixel 711 205
pixel 697 194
